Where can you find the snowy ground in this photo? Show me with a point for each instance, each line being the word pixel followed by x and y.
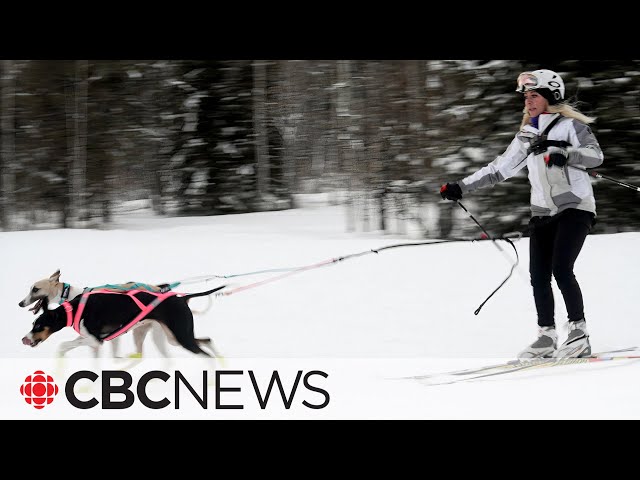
pixel 365 321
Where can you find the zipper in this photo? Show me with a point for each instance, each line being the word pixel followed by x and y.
pixel 565 171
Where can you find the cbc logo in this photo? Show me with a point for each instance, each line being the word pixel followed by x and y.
pixel 39 389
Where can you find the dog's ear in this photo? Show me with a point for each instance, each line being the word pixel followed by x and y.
pixel 56 276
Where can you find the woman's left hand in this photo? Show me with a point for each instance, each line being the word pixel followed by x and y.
pixel 556 156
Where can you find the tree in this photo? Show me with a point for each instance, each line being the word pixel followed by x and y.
pixel 7 161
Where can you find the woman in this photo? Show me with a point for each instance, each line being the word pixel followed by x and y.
pixel 554 137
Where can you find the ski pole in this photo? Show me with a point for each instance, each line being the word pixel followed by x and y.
pixel 599 175
pixel 513 266
pixel 478 224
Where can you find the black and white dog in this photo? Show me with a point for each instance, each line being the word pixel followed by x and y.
pixel 100 315
pixel 51 292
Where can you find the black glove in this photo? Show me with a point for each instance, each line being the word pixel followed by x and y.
pixel 539 147
pixel 556 156
pixel 451 191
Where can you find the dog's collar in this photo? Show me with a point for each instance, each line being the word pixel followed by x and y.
pixel 66 288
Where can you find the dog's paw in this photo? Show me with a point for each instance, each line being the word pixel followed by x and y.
pixel 221 361
pixel 60 366
pixel 128 362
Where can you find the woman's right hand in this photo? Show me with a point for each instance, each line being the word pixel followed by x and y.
pixel 451 191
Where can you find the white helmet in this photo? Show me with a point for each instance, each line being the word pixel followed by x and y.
pixel 542 79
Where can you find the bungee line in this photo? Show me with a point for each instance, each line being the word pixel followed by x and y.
pixel 289 271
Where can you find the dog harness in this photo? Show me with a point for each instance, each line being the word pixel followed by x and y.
pixel 144 309
pixel 163 287
pixel 66 288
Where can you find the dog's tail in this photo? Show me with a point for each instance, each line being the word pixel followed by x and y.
pixel 202 294
pixel 205 310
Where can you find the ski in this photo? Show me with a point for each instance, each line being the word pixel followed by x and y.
pixel 519 365
pixel 542 363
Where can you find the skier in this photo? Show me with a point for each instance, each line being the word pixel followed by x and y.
pixel 553 135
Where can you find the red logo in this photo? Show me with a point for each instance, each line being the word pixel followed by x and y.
pixel 39 389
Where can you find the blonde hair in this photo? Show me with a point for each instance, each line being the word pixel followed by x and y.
pixel 565 109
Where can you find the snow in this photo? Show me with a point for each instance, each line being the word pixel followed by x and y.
pixel 365 321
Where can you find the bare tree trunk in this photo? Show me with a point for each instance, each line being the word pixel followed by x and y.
pixel 343 114
pixel 359 144
pixel 332 151
pixel 79 169
pixel 415 105
pixel 69 158
pixel 8 159
pixel 291 109
pixel 372 120
pixel 153 171
pixel 436 84
pixel 260 126
pixel 75 108
pixel 155 167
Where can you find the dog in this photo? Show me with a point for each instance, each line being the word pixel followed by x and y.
pixel 100 315
pixel 49 293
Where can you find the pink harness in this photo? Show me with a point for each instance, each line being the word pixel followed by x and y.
pixel 144 309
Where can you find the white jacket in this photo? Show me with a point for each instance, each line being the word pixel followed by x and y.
pixel 552 189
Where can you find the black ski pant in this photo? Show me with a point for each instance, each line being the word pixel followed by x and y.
pixel 554 245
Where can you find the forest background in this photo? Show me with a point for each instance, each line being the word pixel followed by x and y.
pixel 83 139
